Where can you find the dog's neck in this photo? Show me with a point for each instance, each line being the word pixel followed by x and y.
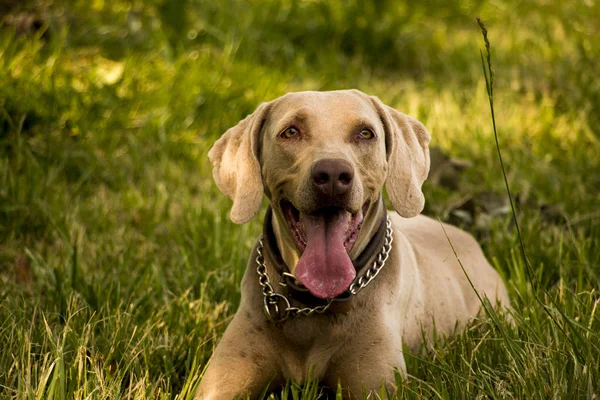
pixel 290 254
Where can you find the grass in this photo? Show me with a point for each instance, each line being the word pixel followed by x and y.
pixel 119 268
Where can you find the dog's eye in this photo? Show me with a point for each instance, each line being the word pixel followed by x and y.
pixel 366 134
pixel 290 133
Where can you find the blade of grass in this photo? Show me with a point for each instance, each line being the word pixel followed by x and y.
pixel 489 84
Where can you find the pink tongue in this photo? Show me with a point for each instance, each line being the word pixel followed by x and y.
pixel 324 267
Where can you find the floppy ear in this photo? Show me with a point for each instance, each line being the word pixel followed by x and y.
pixel 406 141
pixel 236 167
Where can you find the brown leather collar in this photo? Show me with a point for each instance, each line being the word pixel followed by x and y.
pixel 297 292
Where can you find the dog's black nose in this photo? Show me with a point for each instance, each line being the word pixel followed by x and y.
pixel 332 177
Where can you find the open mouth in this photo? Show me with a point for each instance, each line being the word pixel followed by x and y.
pixel 324 238
pixel 296 222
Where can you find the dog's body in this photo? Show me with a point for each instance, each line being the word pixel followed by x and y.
pixel 322 158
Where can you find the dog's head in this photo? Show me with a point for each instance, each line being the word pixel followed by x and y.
pixel 322 158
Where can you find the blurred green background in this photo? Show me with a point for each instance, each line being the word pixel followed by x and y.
pixel 119 267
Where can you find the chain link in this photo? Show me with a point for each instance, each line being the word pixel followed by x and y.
pixel 277 306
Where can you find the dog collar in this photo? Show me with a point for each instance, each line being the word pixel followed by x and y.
pixel 278 306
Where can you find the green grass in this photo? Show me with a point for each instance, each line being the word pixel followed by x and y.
pixel 119 267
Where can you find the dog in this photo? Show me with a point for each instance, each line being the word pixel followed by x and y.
pixel 336 284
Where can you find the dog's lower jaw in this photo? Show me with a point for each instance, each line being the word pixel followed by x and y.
pixel 285 242
pixel 371 221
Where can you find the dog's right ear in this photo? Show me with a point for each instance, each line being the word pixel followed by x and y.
pixel 236 167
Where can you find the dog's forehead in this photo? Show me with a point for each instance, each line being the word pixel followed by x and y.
pixel 333 106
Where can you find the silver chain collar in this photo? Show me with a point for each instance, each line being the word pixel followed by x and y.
pixel 278 307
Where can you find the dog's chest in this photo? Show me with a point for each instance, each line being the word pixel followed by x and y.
pixel 308 345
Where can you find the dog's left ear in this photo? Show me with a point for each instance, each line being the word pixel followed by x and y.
pixel 236 167
pixel 406 142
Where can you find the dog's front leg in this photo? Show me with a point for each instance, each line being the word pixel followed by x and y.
pixel 367 364
pixel 243 363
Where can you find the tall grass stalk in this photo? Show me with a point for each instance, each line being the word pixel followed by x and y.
pixel 488 73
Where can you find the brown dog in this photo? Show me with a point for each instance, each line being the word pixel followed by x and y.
pixel 322 159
